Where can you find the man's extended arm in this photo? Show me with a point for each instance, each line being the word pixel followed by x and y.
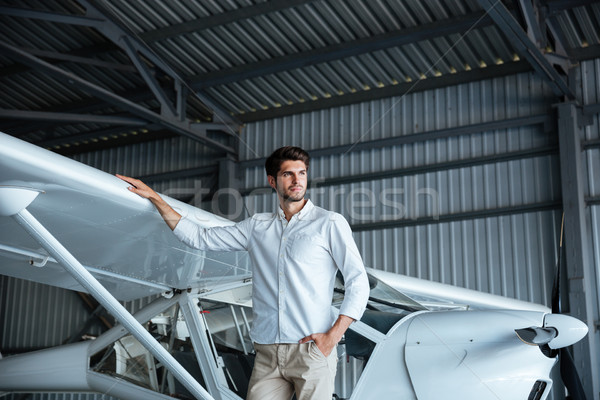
pixel 138 187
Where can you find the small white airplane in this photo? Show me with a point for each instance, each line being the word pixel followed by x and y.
pixel 66 224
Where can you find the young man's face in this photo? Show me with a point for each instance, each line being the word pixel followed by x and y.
pixel 291 180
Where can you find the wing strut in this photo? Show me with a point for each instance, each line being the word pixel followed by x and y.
pixel 13 202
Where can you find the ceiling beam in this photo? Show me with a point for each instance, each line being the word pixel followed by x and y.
pixel 72 80
pixel 585 53
pixel 99 17
pixel 560 40
pixel 89 105
pixel 340 50
pixel 90 136
pixel 400 89
pixel 108 142
pixel 532 20
pixel 122 36
pixel 525 47
pixel 558 6
pixel 81 56
pixel 166 104
pixel 70 117
pixel 51 16
pixel 80 60
pixel 221 19
pixel 459 216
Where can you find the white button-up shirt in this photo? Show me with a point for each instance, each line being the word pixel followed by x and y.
pixel 294 265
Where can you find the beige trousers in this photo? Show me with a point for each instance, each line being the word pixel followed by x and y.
pixel 282 369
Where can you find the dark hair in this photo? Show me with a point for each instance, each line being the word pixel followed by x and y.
pixel 273 163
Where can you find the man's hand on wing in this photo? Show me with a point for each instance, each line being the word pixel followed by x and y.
pixel 138 187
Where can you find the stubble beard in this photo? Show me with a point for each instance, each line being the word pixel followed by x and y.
pixel 294 197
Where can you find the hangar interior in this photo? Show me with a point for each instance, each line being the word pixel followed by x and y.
pixel 452 134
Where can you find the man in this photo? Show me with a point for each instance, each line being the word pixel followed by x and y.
pixel 295 254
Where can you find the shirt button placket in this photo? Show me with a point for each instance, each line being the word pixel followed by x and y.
pixel 281 280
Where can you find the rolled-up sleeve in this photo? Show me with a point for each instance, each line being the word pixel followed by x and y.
pixel 350 263
pixel 220 238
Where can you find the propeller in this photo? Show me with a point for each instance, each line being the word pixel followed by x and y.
pixel 559 331
pixel 568 372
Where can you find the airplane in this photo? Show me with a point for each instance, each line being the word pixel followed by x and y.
pixel 66 224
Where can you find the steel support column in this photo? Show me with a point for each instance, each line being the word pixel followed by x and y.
pixel 227 201
pixel 583 295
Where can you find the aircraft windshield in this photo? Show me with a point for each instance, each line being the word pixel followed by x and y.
pixel 383 297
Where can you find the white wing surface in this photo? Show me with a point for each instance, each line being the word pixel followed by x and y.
pixel 115 234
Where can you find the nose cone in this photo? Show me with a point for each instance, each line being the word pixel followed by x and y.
pixel 570 330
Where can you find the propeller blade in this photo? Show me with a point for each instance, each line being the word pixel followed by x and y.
pixel 568 373
pixel 536 336
pixel 556 297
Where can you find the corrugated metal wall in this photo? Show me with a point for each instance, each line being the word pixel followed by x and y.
pixel 477 102
pixel 152 158
pixel 504 254
pixel 33 315
pixel 36 316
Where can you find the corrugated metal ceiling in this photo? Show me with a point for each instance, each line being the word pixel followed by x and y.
pixel 259 59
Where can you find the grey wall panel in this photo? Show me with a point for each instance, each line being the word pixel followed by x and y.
pixel 150 157
pixel 592 131
pixel 419 154
pixel 591 165
pixel 443 193
pixel 594 216
pixel 38 316
pixel 409 113
pixel 589 75
pixel 507 255
pixel 33 315
pixel 163 156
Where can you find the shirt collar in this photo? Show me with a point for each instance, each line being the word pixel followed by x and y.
pixel 308 207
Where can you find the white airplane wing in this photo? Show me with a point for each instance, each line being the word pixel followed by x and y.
pixel 118 236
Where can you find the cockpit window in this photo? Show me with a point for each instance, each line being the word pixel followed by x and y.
pixel 383 297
